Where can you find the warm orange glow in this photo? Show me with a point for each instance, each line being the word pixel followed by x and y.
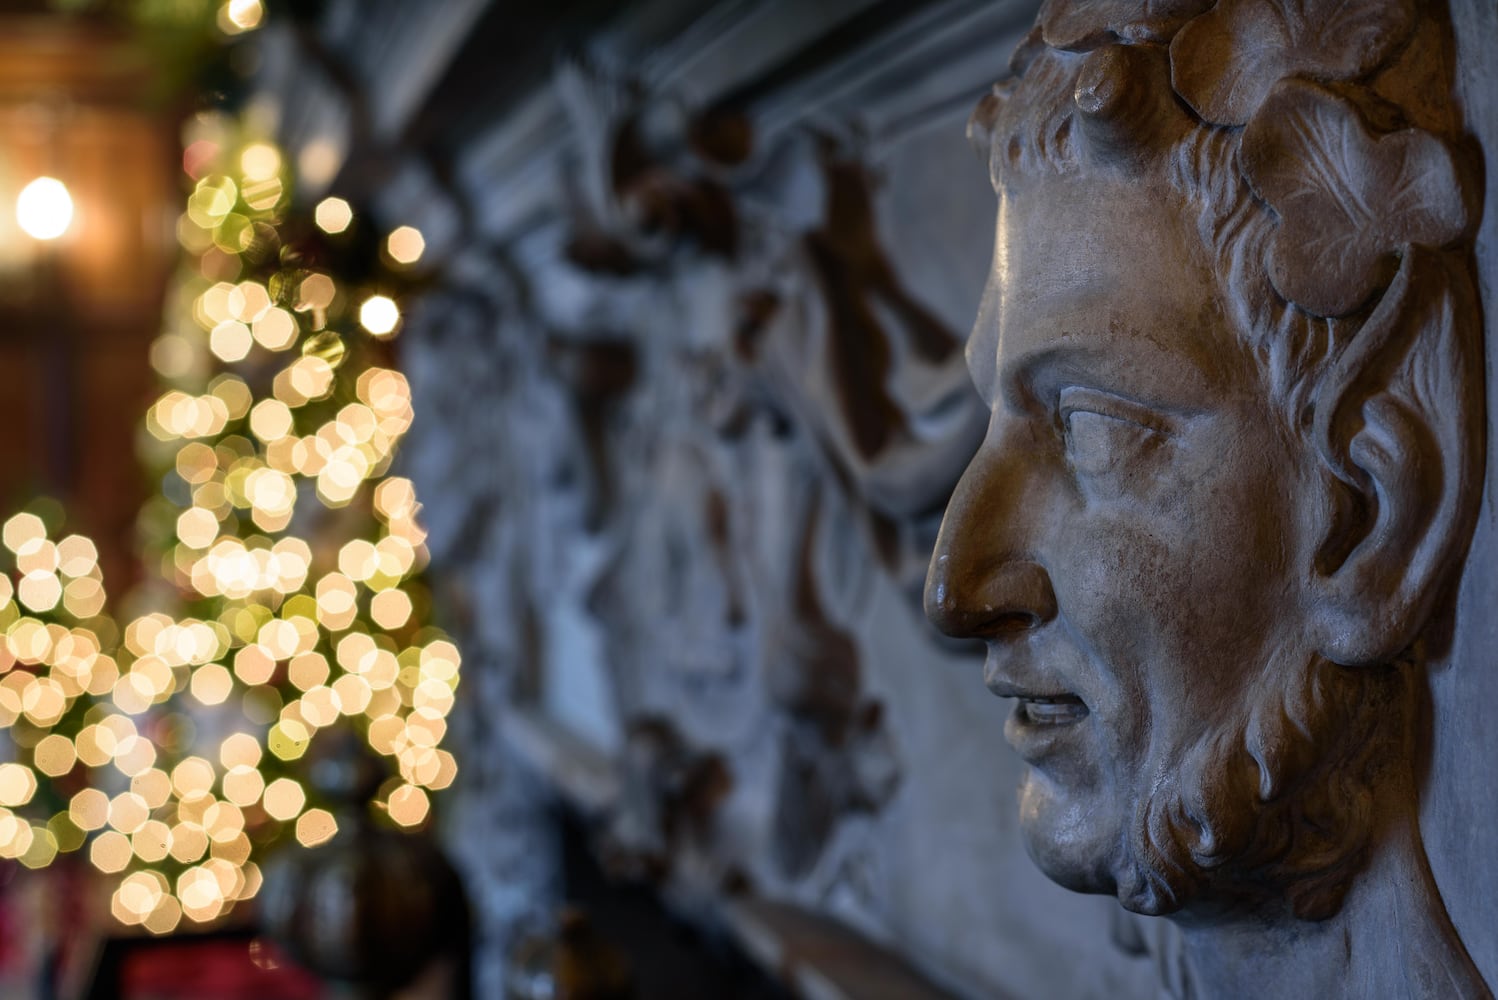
pixel 55 755
pixel 408 805
pixel 275 330
pixel 283 799
pixel 17 784
pixel 315 826
pixel 110 852
pixel 405 245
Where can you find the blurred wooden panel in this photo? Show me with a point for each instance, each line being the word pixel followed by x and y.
pixel 75 329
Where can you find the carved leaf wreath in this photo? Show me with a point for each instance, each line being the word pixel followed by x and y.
pixel 1087 24
pixel 1225 62
pixel 1347 200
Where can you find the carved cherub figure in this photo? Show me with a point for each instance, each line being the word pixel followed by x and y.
pixel 1233 351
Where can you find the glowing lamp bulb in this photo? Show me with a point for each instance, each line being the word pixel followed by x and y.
pixel 44 209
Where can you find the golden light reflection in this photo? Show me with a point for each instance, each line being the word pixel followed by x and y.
pixel 20 529
pixel 201 895
pixel 135 754
pixel 243 785
pixel 41 849
pixel 152 842
pixel 379 315
pixel 333 215
pixel 315 826
pixel 189 842
pixel 192 777
pixel 275 330
pixel 89 809
pixel 405 245
pixel 408 805
pixel 239 750
pixel 128 812
pixel 110 852
pixel 254 664
pixel 260 161
pixel 15 835
pixel 288 739
pixel 68 835
pixel 283 799
pixel 271 420
pixel 212 684
pixel 17 784
pixel 39 590
pixel 231 341
pixel 317 291
pixel 390 609
pixel 248 302
pixel 77 556
pixel 153 786
pixel 328 346
pixel 137 897
pixel 354 694
pixel 54 755
pixel 240 15
pixel 165 918
pixel 307 671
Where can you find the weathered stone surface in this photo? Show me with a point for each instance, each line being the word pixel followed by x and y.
pixel 1236 457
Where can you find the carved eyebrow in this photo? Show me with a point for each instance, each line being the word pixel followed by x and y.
pixel 1171 384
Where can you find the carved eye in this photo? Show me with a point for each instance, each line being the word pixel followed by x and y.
pixel 1104 435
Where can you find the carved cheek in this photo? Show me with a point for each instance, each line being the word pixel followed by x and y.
pixel 1167 610
pixel 1117 588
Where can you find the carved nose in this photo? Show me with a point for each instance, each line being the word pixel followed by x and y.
pixel 968 600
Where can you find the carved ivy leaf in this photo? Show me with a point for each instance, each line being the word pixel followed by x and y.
pixel 1225 62
pixel 1086 24
pixel 1347 200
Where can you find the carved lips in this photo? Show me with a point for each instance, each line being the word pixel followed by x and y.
pixel 1042 715
pixel 1053 710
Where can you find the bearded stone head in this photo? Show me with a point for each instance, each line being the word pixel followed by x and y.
pixel 1233 352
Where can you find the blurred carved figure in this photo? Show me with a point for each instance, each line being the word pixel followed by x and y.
pixel 1232 347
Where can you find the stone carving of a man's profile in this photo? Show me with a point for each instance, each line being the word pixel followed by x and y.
pixel 1233 351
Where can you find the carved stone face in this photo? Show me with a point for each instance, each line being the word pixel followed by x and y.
pixel 1130 538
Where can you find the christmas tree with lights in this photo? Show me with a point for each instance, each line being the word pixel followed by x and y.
pixel 284 560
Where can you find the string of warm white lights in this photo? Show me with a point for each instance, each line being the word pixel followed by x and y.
pixel 165 749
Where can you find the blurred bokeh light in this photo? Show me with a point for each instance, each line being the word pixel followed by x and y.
pixel 44 209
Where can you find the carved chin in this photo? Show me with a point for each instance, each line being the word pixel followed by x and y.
pixel 1065 835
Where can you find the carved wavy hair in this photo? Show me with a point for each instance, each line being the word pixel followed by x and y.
pixel 1275 801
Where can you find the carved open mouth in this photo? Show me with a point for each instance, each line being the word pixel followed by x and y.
pixel 1052 710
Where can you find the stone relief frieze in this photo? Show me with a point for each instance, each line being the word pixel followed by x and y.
pixel 481 520
pixel 1232 347
pixel 717 411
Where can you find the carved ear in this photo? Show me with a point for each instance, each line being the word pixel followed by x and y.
pixel 1400 422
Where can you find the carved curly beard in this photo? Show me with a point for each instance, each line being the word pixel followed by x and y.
pixel 1279 803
